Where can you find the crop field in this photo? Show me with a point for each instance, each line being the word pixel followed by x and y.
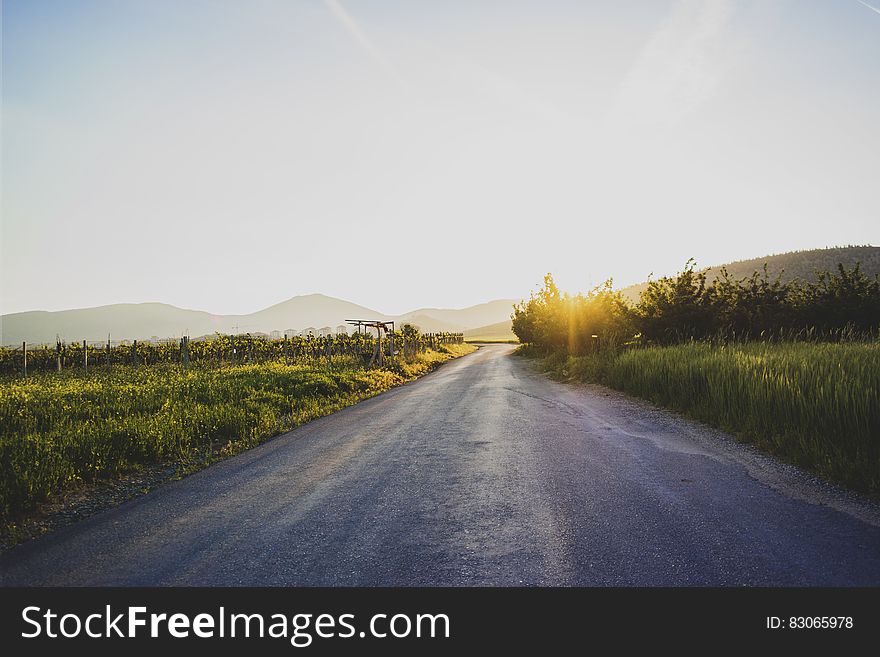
pixel 219 349
pixel 62 429
pixel 816 405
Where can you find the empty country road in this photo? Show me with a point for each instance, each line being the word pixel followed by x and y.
pixel 482 473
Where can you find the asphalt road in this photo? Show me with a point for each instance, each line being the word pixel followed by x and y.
pixel 482 473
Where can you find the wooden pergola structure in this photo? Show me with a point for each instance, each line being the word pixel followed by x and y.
pixel 364 324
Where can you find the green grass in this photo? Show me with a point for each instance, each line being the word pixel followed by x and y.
pixel 491 340
pixel 62 430
pixel 816 405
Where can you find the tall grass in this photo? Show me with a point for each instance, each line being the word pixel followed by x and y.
pixel 62 429
pixel 814 404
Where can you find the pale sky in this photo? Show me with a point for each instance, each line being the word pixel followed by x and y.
pixel 226 155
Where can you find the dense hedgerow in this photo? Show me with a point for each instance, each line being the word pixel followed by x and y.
pixel 839 304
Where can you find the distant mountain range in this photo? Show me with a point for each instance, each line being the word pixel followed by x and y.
pixel 486 321
pixel 497 331
pixel 143 321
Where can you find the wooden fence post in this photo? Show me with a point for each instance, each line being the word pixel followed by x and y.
pixel 24 357
pixel 134 353
pixel 379 346
pixel 58 354
pixel 85 356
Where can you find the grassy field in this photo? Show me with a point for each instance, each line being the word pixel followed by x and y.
pixel 62 430
pixel 491 340
pixel 498 332
pixel 814 405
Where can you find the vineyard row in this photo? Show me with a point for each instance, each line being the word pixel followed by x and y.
pixel 232 349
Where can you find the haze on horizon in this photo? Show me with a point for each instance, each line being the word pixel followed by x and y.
pixel 225 156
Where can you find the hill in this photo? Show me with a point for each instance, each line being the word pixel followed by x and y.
pixel 794 265
pixel 142 321
pixel 122 321
pixel 465 318
pixel 491 333
pixel 311 310
pixel 428 324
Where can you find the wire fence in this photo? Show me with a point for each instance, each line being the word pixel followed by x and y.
pixel 222 349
